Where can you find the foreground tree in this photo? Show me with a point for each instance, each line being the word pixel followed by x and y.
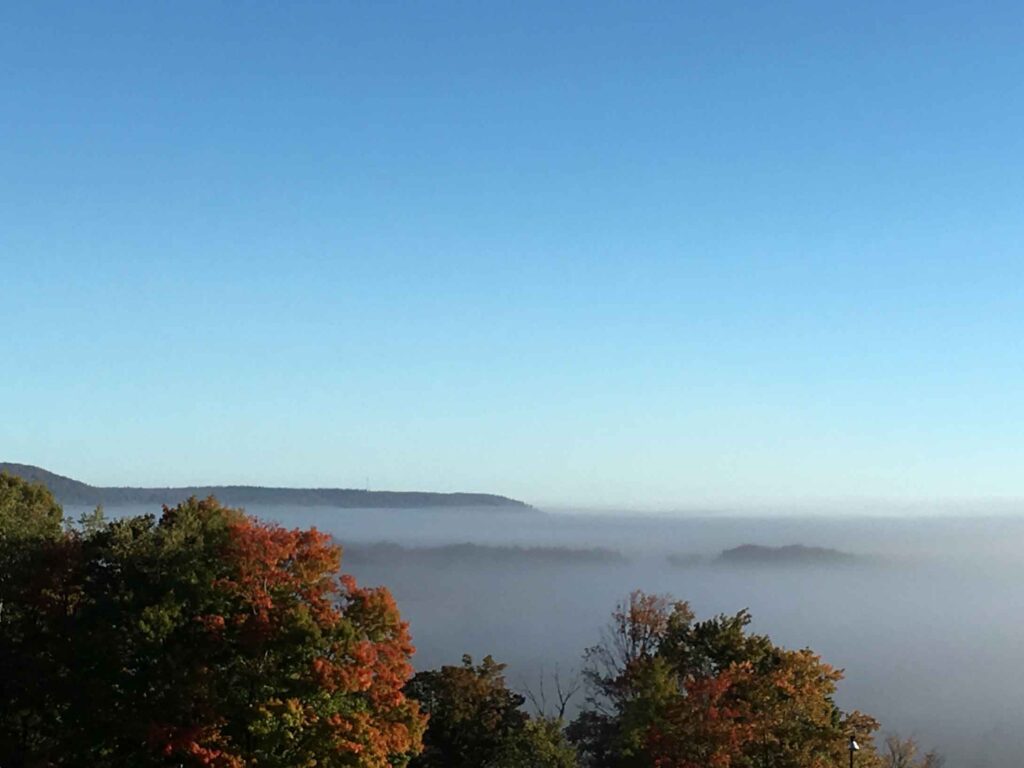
pixel 27 510
pixel 209 638
pixel 30 565
pixel 668 691
pixel 477 722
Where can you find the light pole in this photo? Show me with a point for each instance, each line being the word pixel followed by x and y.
pixel 854 747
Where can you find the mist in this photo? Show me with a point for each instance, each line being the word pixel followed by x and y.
pixel 926 623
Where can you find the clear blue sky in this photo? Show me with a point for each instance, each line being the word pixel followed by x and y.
pixel 649 254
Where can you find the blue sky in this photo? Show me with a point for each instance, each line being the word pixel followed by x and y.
pixel 655 255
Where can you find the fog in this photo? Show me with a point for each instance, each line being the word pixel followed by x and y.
pixel 928 625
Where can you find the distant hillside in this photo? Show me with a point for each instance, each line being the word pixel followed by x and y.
pixel 75 493
pixel 793 554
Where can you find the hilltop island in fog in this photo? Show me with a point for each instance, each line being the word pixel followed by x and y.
pixel 792 554
pixel 75 493
pixel 758 554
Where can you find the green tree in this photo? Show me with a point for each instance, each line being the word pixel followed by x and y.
pixel 31 564
pixel 92 522
pixel 541 743
pixel 473 714
pixel 477 722
pixel 27 510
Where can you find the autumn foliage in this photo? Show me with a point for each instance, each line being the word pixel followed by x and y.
pixel 204 638
pixel 672 692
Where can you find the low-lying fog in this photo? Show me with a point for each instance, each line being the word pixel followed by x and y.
pixel 928 626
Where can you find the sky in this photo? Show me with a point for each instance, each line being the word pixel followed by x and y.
pixel 645 255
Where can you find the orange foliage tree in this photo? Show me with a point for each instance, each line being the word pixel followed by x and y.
pixel 209 638
pixel 672 692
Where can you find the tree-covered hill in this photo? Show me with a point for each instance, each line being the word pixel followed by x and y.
pixel 75 493
pixel 791 554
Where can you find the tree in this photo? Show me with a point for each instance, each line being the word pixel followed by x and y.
pixel 209 638
pixel 472 714
pixel 551 701
pixel 541 743
pixel 627 684
pixel 669 691
pixel 31 563
pixel 905 753
pixel 27 510
pixel 477 722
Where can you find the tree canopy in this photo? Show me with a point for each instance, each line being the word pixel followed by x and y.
pixel 477 722
pixel 204 637
pixel 672 692
pixel 27 510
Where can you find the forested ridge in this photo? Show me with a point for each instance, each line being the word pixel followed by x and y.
pixel 74 492
pixel 202 636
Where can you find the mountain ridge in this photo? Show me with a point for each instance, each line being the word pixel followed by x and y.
pixel 71 492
